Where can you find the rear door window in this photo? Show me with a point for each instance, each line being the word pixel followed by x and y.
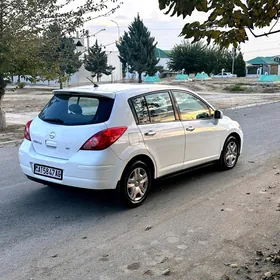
pixel 141 110
pixel 160 107
pixel 67 109
pixel 153 108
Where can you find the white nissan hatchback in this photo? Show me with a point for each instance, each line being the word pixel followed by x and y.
pixel 121 136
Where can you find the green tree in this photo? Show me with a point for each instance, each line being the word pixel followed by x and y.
pixel 199 57
pixel 96 62
pixel 58 55
pixel 190 57
pixel 227 21
pixel 22 21
pixel 137 48
pixel 122 47
pixel 25 58
pixel 240 66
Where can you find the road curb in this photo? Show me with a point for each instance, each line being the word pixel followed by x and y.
pixel 11 143
pixel 251 105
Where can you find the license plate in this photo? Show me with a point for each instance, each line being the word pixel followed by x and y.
pixel 48 171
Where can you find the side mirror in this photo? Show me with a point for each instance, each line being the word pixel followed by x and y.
pixel 218 115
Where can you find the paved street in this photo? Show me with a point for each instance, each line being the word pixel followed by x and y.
pixel 199 220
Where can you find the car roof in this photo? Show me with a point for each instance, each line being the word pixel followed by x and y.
pixel 111 90
pixel 125 90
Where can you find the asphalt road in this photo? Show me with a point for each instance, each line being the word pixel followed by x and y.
pixel 61 233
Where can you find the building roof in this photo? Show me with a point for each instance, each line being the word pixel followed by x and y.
pixel 262 60
pixel 168 51
pixel 161 53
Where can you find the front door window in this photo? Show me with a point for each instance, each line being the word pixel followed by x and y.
pixel 192 108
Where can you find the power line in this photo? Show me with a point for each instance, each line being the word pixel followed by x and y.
pixel 159 29
pixel 262 50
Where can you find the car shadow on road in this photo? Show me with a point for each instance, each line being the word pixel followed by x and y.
pixel 75 203
pixel 184 179
pixel 66 203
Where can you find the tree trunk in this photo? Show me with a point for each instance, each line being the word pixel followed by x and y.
pixel 140 78
pixel 3 123
pixel 61 78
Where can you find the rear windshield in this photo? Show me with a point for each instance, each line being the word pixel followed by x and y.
pixel 67 109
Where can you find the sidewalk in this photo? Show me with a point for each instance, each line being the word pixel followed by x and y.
pixel 22 118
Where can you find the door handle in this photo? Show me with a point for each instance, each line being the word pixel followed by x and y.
pixel 150 133
pixel 190 128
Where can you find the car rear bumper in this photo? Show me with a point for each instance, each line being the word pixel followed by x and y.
pixel 81 171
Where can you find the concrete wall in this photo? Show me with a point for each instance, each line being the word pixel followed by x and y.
pixel 113 59
pixel 270 69
pixel 80 77
pixel 274 69
pixel 164 62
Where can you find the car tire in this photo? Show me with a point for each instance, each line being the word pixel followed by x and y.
pixel 135 184
pixel 230 154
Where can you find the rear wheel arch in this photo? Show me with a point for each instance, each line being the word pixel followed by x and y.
pixel 146 159
pixel 136 181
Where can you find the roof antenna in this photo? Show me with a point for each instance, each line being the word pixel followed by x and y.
pixel 95 85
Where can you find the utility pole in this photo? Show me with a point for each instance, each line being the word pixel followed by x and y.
pixel 119 36
pixel 87 34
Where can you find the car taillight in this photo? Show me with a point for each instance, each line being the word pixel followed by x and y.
pixel 104 139
pixel 27 131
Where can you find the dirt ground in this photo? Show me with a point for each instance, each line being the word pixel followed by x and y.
pixel 26 100
pixel 12 133
pixel 23 104
pixel 243 85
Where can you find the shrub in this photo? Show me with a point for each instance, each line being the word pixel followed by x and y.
pixel 21 85
pixel 235 88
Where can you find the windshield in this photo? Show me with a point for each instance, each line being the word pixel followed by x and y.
pixel 68 109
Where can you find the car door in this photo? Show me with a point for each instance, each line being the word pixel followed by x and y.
pixel 203 132
pixel 162 130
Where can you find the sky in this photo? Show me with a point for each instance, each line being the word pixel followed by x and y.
pixel 166 29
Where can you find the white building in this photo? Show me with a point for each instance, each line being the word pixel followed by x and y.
pixel 81 77
pixel 113 59
pixel 163 57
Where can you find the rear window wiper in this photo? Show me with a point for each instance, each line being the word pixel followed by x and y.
pixel 54 120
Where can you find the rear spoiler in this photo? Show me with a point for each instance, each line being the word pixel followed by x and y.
pixel 86 94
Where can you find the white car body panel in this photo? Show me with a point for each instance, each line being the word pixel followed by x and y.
pixel 170 149
pixel 62 146
pixel 167 135
pixel 98 170
pixel 204 142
